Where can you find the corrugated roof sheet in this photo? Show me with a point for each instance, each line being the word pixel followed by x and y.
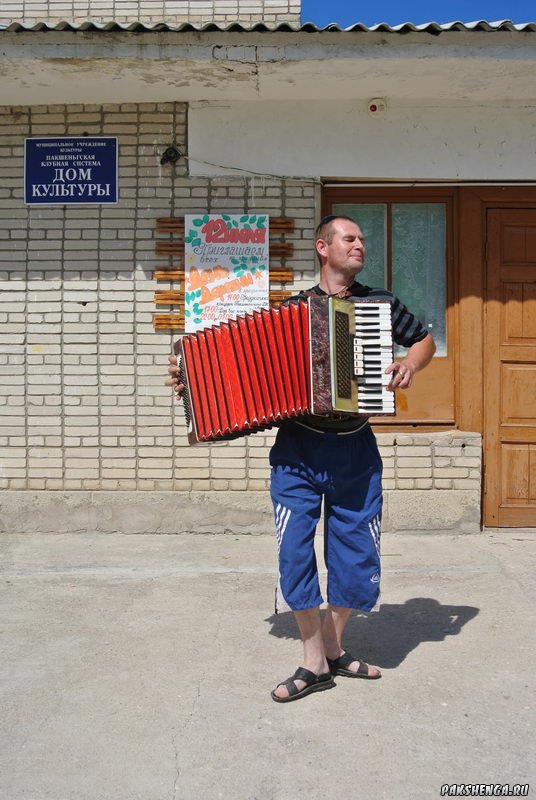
pixel 433 28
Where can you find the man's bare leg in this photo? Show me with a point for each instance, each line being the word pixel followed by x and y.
pixel 335 620
pixel 314 657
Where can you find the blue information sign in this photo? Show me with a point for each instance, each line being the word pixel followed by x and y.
pixel 70 170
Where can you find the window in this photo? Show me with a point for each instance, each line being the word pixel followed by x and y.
pixel 408 234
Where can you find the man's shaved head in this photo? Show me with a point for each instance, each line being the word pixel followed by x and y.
pixel 326 228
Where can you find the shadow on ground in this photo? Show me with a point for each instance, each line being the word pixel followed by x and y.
pixel 386 638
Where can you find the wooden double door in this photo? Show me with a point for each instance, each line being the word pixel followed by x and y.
pixel 510 368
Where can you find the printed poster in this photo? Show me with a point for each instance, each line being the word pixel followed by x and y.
pixel 226 267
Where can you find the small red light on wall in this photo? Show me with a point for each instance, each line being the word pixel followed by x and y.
pixel 376 106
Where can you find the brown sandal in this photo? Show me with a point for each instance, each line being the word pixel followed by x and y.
pixel 339 666
pixel 314 683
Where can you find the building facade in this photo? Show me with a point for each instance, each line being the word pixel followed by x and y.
pixel 195 12
pixel 426 137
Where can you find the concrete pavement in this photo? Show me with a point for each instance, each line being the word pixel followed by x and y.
pixel 139 668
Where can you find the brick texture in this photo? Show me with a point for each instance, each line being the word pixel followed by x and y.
pixel 83 403
pixel 196 12
pixel 444 460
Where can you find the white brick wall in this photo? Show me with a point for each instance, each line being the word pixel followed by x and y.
pixel 443 460
pixel 197 12
pixel 82 398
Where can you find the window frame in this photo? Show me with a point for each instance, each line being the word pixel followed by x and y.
pixel 431 402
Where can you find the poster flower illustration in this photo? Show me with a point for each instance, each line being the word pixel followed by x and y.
pixel 226 267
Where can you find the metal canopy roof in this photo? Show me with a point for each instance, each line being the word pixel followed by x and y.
pixel 433 28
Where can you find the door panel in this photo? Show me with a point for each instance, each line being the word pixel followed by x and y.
pixel 510 369
pixel 515 473
pixel 532 474
pixel 519 394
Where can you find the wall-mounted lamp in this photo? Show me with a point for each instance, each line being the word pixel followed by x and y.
pixel 170 155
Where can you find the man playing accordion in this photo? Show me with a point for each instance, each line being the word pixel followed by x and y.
pixel 334 459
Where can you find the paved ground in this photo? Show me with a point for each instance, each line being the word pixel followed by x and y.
pixel 139 668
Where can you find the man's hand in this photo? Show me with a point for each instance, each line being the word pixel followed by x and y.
pixel 402 375
pixel 418 357
pixel 173 380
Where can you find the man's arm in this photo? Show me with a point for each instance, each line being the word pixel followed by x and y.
pixel 418 357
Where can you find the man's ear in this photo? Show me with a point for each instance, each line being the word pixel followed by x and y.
pixel 321 247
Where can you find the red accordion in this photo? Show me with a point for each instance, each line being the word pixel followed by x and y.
pixel 318 355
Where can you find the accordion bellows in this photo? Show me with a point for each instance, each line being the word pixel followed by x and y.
pixel 319 355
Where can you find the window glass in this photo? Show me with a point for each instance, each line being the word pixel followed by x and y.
pixel 372 219
pixel 419 264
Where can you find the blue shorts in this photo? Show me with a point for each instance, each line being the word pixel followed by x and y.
pixel 345 470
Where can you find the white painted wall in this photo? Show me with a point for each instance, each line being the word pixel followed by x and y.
pixel 127 67
pixel 341 139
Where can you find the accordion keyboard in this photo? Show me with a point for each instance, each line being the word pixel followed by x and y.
pixel 373 353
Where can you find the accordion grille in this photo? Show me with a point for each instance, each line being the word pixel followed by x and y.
pixel 186 395
pixel 342 356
